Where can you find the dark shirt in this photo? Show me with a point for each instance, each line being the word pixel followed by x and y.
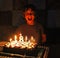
pixel 31 30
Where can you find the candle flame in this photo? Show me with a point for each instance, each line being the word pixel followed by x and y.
pixel 22 42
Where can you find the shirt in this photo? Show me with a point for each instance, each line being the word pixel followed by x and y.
pixel 31 30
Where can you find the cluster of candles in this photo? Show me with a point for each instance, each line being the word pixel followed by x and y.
pixel 22 42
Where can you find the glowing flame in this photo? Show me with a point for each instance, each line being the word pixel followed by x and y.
pixel 23 42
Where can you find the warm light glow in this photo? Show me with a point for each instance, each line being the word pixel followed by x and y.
pixel 23 42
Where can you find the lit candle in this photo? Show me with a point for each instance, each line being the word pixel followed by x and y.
pixel 25 38
pixel 15 38
pixel 32 39
pixel 21 39
pixel 10 39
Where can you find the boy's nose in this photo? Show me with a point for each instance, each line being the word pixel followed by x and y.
pixel 29 17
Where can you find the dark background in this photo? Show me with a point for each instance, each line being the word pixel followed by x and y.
pixel 48 12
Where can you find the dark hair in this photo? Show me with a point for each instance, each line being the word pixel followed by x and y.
pixel 26 7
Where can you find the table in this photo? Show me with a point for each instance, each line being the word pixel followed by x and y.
pixel 11 55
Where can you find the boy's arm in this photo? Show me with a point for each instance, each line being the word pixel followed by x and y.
pixel 43 35
pixel 43 38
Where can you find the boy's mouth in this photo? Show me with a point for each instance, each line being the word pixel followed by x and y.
pixel 30 19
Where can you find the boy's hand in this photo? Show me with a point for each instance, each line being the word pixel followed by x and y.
pixel 43 38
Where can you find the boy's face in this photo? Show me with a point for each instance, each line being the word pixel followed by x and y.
pixel 29 15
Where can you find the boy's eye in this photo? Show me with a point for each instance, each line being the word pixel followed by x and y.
pixel 29 14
